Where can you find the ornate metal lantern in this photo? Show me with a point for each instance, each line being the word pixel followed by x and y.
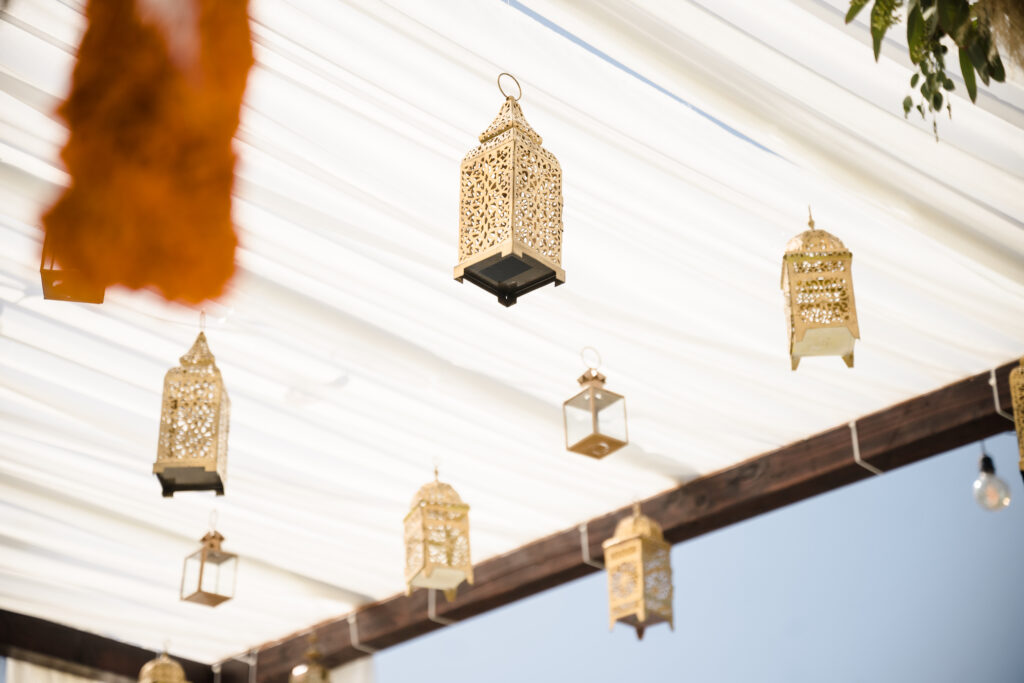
pixel 818 289
pixel 209 575
pixel 163 669
pixel 61 284
pixel 595 418
pixel 437 540
pixel 639 574
pixel 192 451
pixel 1017 394
pixel 510 209
pixel 311 671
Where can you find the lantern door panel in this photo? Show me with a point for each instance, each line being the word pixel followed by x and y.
pixel 437 548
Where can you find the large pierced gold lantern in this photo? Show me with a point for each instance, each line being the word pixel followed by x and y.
pixel 192 451
pixel 639 574
pixel 510 209
pixel 210 572
pixel 818 289
pixel 310 671
pixel 595 418
pixel 437 540
pixel 163 669
pixel 1017 394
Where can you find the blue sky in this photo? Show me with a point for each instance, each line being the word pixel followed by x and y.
pixel 896 578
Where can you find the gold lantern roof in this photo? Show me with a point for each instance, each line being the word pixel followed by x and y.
pixel 193 441
pixel 510 209
pixel 817 284
pixel 1017 395
pixel 437 540
pixel 639 572
pixel 163 669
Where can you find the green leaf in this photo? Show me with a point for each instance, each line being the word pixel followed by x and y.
pixel 995 69
pixel 914 79
pixel 948 84
pixel 907 104
pixel 915 35
pixel 937 101
pixel 931 20
pixel 855 7
pixel 880 22
pixel 967 68
pixel 979 58
pixel 954 18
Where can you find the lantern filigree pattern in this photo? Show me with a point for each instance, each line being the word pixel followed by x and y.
pixel 210 572
pixel 1017 395
pixel 639 574
pixel 192 451
pixel 510 210
pixel 595 418
pixel 163 669
pixel 437 540
pixel 818 288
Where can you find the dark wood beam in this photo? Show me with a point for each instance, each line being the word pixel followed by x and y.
pixel 85 654
pixel 930 424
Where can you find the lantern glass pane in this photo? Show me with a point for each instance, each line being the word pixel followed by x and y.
pixel 579 420
pixel 219 573
pixel 190 576
pixel 611 414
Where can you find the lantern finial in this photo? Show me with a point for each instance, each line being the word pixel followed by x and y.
pixel 810 217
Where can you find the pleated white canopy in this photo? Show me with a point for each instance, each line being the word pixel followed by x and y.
pixel 692 136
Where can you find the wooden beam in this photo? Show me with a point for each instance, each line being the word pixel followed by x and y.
pixel 955 415
pixel 85 654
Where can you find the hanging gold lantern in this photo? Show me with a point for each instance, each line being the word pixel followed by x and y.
pixel 311 671
pixel 1017 395
pixel 818 289
pixel 62 284
pixel 163 669
pixel 639 574
pixel 437 540
pixel 192 451
pixel 210 572
pixel 595 418
pixel 510 209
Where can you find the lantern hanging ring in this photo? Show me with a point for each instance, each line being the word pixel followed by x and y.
pixel 594 355
pixel 519 87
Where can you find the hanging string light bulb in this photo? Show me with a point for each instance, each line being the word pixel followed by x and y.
pixel 192 450
pixel 595 418
pixel 818 287
pixel 311 671
pixel 437 540
pixel 510 209
pixel 990 491
pixel 163 669
pixel 1017 395
pixel 639 574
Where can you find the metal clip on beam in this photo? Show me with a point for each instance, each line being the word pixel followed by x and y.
pixel 856 451
pixel 995 395
pixel 353 636
pixel 432 609
pixel 585 547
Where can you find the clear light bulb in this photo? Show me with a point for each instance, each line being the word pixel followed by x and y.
pixel 991 492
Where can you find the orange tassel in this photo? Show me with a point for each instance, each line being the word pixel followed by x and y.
pixel 149 153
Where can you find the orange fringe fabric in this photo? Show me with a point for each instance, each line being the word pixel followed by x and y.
pixel 150 156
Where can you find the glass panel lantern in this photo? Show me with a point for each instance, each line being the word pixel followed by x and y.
pixel 437 540
pixel 818 288
pixel 595 418
pixel 209 574
pixel 310 671
pixel 192 450
pixel 163 669
pixel 639 574
pixel 510 210
pixel 62 284
pixel 1017 394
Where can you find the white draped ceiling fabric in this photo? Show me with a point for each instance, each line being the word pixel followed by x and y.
pixel 692 136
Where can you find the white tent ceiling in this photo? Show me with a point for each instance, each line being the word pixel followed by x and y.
pixel 692 135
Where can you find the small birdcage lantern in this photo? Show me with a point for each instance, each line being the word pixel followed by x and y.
pixel 1017 395
pixel 595 418
pixel 210 572
pixel 510 209
pixel 818 289
pixel 62 284
pixel 437 540
pixel 310 671
pixel 163 669
pixel 639 574
pixel 192 451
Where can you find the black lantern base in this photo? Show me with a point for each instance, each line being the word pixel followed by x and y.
pixel 509 277
pixel 177 479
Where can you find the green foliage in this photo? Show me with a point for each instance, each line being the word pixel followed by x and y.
pixel 929 22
